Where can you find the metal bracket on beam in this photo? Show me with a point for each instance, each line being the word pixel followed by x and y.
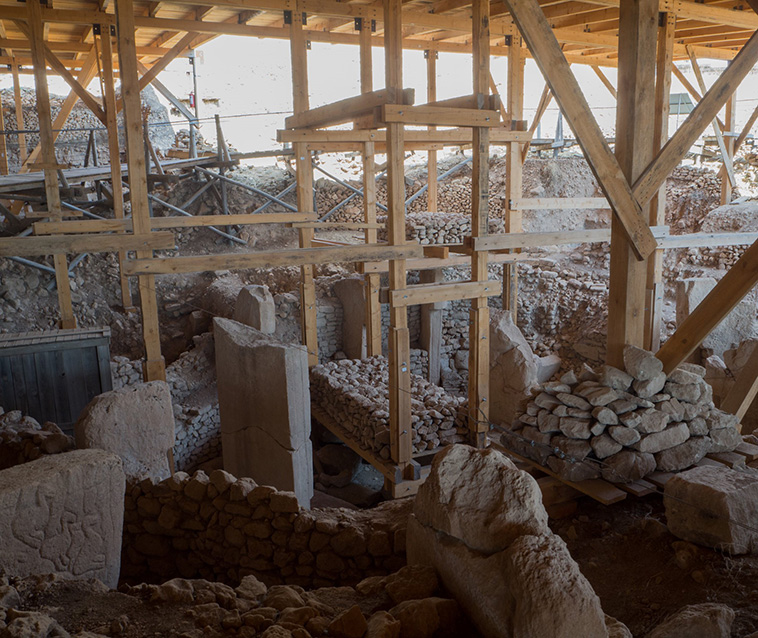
pixel 96 29
pixel 288 17
pixel 373 26
pixel 358 24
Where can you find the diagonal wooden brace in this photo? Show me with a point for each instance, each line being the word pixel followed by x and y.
pixel 555 68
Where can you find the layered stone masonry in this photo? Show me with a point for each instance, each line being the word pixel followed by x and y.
pixel 623 425
pixel 355 395
pixel 23 439
pixel 221 528
pixel 439 228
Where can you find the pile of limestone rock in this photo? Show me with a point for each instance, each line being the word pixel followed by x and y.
pixel 439 228
pixel 354 394
pixel 23 439
pixel 623 425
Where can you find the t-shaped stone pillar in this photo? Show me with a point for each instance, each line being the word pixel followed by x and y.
pixel 255 308
pixel 265 405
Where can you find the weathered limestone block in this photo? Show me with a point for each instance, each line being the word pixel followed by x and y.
pixel 684 455
pixel 513 368
pixel 738 325
pixel 641 364
pixel 474 521
pixel 63 514
pixel 627 466
pixel 255 308
pixel 714 506
pixel 136 423
pixel 264 402
pixel 464 495
pixel 707 620
pixel 351 292
pixel 534 588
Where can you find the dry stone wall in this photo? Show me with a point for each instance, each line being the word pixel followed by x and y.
pixel 438 228
pixel 623 425
pixel 355 395
pixel 221 528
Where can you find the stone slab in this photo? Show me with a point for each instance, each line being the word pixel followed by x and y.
pixel 63 514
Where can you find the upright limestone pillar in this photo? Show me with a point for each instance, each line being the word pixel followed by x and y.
pixel 264 402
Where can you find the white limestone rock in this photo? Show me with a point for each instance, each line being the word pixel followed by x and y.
pixel 136 423
pixel 641 364
pixel 715 507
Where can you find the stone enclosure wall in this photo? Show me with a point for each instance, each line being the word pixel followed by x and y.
pixel 221 528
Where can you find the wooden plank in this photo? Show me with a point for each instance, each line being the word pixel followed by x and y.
pixel 554 66
pixel 604 79
pixel 450 137
pixel 20 111
pixel 697 121
pixel 431 158
pixel 341 111
pixel 748 450
pixel 598 489
pixel 638 488
pixel 449 291
pixel 269 259
pixel 339 225
pixel 438 116
pixel 560 203
pixel 555 491
pixel 111 225
pixel 659 479
pixel 524 240
pixel 738 281
pixel 428 263
pixel 62 245
pixel 742 394
pixel 3 144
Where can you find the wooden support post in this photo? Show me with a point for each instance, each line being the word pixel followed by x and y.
pixel 545 99
pixel 431 325
pixel 399 338
pixel 431 164
pixel 304 169
pixel 46 143
pixel 514 167
pixel 635 115
pixel 479 322
pixel 155 367
pixel 109 98
pixel 3 144
pixel 19 112
pixel 730 120
pixel 654 289
pixel 373 319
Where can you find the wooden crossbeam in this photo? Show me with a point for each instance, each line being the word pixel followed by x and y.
pixel 344 110
pixel 431 293
pixel 555 68
pixel 739 280
pixel 560 203
pixel 453 137
pixel 439 116
pixel 64 244
pixel 702 115
pixel 271 259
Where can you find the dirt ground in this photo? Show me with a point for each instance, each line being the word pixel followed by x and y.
pixel 642 573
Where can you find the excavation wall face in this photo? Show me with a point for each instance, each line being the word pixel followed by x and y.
pixel 221 528
pixel 63 514
pixel 264 400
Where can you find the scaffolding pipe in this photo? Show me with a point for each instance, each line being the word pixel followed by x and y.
pixel 186 214
pixel 257 191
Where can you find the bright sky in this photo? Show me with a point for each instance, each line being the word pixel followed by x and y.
pixel 250 80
